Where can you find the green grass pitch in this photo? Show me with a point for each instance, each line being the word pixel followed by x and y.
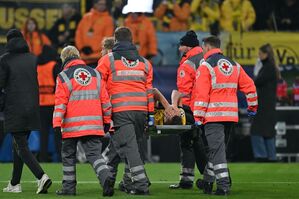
pixel 250 180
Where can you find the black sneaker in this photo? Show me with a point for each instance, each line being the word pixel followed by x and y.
pixel 108 188
pixel 65 193
pixel 221 192
pixel 139 192
pixel 123 188
pixel 207 187
pixel 181 185
pixel 199 184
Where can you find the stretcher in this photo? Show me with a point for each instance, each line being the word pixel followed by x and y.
pixel 160 130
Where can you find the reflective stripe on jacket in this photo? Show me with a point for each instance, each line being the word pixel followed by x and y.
pixel 217 83
pixel 186 73
pixel 129 83
pixel 46 84
pixel 82 103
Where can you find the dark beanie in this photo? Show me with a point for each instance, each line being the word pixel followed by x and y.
pixel 189 39
pixel 13 33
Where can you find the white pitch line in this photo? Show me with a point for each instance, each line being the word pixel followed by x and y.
pixel 164 182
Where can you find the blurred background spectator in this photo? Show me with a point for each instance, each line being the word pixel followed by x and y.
pixel 173 15
pixel 262 129
pixel 287 15
pixel 63 30
pixel 205 16
pixel 47 70
pixel 34 37
pixel 237 15
pixel 94 26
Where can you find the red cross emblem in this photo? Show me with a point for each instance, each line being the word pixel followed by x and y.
pixel 129 63
pixel 225 67
pixel 82 76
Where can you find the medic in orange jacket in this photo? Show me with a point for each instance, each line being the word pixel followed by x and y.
pixel 129 81
pixel 186 73
pixel 218 79
pixel 82 103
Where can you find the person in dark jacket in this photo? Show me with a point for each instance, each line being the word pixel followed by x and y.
pixel 18 78
pixel 262 129
pixel 63 30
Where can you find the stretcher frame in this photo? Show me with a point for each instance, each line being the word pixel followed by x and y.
pixel 160 130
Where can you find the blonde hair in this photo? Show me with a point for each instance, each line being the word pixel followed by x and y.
pixel 69 52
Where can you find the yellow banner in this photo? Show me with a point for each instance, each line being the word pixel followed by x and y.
pixel 244 48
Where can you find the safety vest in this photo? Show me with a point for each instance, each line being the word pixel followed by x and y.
pixel 82 103
pixel 296 92
pixel 186 73
pixel 129 83
pixel 46 84
pixel 218 80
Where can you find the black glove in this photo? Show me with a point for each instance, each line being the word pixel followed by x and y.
pixel 87 50
pixel 57 130
pixel 106 128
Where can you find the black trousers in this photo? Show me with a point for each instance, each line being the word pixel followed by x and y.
pixel 21 155
pixel 193 150
pixel 46 115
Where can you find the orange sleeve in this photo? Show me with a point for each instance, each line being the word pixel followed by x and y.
pixel 152 42
pixel 109 27
pixel 160 11
pixel 202 93
pixel 185 79
pixel 149 88
pixel 246 85
pixel 61 100
pixel 46 40
pixel 182 13
pixel 103 67
pixel 79 34
pixel 106 104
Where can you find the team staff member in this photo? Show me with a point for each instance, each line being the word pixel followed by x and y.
pixel 64 28
pixel 34 37
pixel 129 83
pixel 94 26
pixel 190 142
pixel 144 34
pixel 216 106
pixel 47 71
pixel 82 109
pixel 18 80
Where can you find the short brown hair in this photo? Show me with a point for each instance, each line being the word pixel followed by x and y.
pixel 108 43
pixel 213 41
pixel 123 34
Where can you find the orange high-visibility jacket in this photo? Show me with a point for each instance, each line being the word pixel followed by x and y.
pixel 186 73
pixel 36 41
pixel 129 83
pixel 144 34
pixel 179 20
pixel 46 83
pixel 82 103
pixel 217 83
pixel 91 30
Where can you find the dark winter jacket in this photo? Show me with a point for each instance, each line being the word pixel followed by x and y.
pixel 266 83
pixel 18 78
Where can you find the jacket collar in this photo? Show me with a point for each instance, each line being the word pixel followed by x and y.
pixel 73 62
pixel 97 13
pixel 194 51
pixel 212 52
